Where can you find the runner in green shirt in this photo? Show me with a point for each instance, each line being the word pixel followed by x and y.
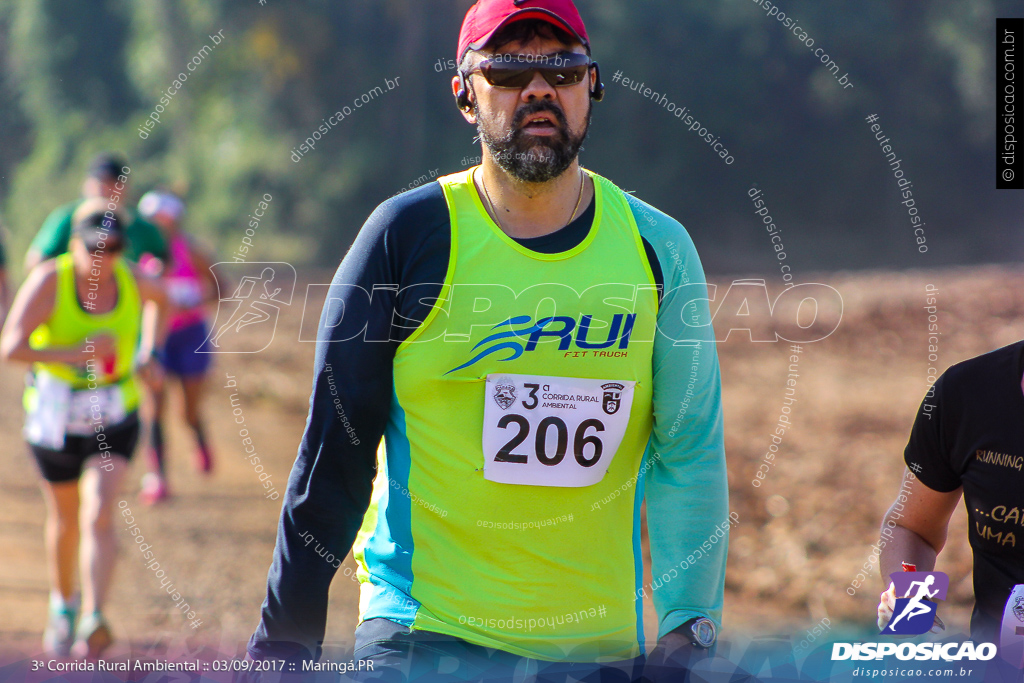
pixel 107 177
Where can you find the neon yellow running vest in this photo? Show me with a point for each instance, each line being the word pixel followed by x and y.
pixel 69 325
pixel 531 569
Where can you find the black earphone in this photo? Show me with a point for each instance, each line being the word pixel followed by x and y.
pixel 598 92
pixel 465 104
pixel 462 97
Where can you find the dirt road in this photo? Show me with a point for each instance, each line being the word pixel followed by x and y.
pixel 801 540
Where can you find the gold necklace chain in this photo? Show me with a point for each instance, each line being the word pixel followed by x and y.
pixel 494 211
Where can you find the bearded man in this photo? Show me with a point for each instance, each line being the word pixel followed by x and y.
pixel 516 334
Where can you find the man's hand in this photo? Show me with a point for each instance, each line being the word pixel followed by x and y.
pixel 96 351
pixel 672 659
pixel 886 604
pixel 104 346
pixel 150 372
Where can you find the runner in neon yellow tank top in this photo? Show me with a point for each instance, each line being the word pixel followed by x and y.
pixel 534 346
pixel 77 321
pixel 589 449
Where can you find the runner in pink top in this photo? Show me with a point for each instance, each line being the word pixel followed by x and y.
pixel 184 284
pixel 185 357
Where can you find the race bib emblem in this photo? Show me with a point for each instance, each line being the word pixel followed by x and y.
pixel 504 393
pixel 1011 630
pixel 553 431
pixel 612 392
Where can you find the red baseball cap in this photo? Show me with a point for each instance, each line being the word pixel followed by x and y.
pixel 487 17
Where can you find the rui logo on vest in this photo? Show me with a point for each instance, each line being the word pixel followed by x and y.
pixel 562 327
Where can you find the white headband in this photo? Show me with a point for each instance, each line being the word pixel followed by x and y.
pixel 153 203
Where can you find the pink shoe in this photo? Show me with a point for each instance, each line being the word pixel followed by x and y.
pixel 204 460
pixel 154 489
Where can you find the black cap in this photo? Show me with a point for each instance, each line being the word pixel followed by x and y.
pixel 107 166
pixel 100 231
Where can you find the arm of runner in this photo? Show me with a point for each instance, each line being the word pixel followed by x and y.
pixel 919 531
pixel 916 536
pixel 914 528
pixel 154 319
pixel 687 487
pixel 332 478
pixel 32 306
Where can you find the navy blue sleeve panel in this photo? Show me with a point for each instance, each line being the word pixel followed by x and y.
pixel 406 241
pixel 659 276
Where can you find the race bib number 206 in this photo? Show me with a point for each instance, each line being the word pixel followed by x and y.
pixel 552 431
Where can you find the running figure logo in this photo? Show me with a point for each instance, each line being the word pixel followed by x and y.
pixel 914 612
pixel 255 303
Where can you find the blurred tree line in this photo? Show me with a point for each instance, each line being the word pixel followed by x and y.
pixel 78 77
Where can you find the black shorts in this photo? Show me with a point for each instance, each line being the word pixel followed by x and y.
pixel 66 464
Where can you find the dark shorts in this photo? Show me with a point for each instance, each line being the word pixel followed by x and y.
pixel 401 655
pixel 66 464
pixel 183 355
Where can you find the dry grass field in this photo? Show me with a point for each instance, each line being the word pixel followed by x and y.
pixel 801 538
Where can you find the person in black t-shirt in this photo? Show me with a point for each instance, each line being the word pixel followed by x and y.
pixel 967 440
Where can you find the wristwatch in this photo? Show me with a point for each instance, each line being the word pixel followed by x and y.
pixel 701 631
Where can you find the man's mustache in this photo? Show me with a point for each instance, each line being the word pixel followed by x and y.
pixel 536 108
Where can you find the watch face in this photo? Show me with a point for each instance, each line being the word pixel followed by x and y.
pixel 704 632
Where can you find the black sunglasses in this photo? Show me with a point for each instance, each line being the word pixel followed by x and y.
pixel 110 250
pixel 110 246
pixel 517 71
